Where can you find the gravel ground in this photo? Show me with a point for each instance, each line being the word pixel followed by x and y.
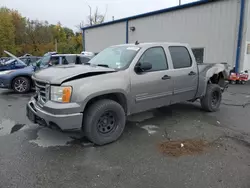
pixel 32 156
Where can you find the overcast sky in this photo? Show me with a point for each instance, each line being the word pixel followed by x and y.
pixel 71 12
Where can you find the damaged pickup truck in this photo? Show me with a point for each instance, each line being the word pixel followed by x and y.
pixel 122 80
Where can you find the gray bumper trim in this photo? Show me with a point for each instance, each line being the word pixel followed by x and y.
pixel 63 121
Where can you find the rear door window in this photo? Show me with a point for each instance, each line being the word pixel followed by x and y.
pixel 55 60
pixel 68 59
pixel 180 57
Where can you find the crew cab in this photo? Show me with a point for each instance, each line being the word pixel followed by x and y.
pixel 120 81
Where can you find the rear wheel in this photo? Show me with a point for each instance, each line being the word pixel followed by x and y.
pixel 21 85
pixel 212 99
pixel 104 122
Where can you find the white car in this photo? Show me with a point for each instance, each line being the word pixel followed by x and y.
pixel 88 54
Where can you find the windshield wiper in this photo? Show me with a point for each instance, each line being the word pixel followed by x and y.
pixel 103 65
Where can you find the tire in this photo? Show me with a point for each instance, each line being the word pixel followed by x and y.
pixel 98 124
pixel 21 85
pixel 212 99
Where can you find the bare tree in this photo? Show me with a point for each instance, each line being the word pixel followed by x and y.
pixel 96 18
pixel 93 19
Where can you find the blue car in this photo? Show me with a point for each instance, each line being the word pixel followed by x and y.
pixel 17 64
pixel 11 64
pixel 14 64
pixel 20 80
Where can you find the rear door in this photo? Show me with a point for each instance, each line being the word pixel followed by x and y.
pixel 185 78
pixel 153 88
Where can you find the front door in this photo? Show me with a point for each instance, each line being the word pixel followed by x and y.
pixel 153 88
pixel 185 78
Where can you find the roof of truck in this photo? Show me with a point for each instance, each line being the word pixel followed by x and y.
pixel 147 44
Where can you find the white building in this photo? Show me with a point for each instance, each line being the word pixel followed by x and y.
pixel 217 30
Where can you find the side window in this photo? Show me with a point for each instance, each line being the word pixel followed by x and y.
pixel 28 61
pixel 156 56
pixel 83 60
pixel 180 57
pixel 68 59
pixel 198 54
pixel 54 60
pixel 18 62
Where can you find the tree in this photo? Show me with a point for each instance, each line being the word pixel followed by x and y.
pixel 7 31
pixel 69 32
pixel 21 35
pixel 96 18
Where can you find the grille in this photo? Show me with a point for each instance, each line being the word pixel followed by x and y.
pixel 42 90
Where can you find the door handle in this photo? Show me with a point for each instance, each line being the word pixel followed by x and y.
pixel 166 77
pixel 192 73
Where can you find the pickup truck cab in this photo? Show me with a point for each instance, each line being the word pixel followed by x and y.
pixel 122 80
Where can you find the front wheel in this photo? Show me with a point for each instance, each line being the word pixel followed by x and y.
pixel 104 122
pixel 212 99
pixel 21 85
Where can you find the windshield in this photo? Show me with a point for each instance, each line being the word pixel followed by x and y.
pixel 44 60
pixel 117 57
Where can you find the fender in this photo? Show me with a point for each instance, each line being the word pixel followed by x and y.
pixel 216 69
pixel 108 92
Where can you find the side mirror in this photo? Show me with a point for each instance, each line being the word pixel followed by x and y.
pixel 142 67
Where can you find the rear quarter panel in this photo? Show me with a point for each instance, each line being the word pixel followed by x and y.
pixel 206 71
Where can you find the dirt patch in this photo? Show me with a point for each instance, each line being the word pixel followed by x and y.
pixel 183 147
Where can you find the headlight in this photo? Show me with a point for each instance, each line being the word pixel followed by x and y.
pixel 60 94
pixel 6 72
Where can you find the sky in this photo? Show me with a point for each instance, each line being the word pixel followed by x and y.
pixel 72 12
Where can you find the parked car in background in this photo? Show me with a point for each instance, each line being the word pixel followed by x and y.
pixel 4 59
pixel 88 54
pixel 120 81
pixel 13 63
pixel 19 79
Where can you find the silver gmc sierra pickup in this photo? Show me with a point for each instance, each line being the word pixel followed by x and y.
pixel 122 80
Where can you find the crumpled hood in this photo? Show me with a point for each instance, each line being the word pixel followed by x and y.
pixel 61 73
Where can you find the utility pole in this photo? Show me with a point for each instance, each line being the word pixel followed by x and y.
pixel 90 15
pixel 113 18
pixel 56 45
pixel 179 2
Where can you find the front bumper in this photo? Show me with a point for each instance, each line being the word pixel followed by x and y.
pixel 52 117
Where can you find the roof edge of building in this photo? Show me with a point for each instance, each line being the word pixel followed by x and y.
pixel 179 7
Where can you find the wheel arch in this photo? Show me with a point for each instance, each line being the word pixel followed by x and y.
pixel 25 75
pixel 217 74
pixel 117 96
